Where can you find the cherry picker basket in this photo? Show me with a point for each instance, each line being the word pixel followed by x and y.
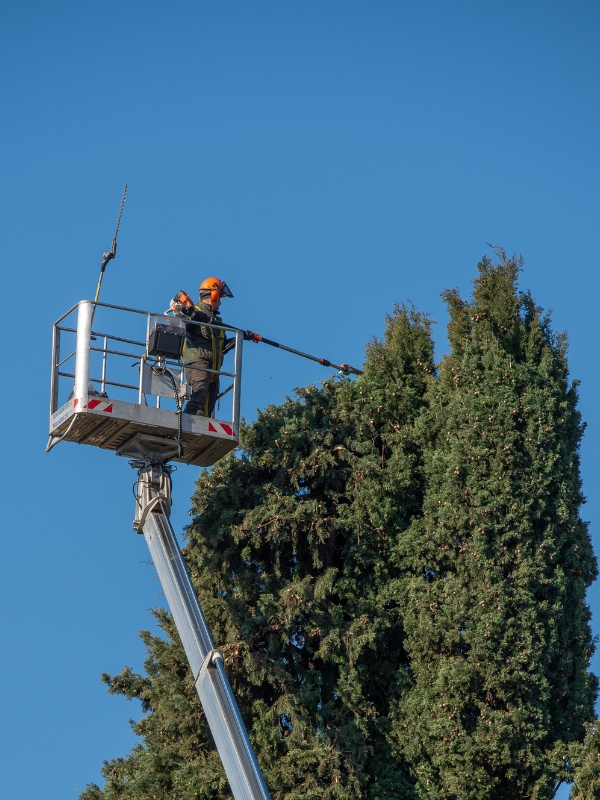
pixel 117 379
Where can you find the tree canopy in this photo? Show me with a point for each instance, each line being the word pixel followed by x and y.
pixel 395 567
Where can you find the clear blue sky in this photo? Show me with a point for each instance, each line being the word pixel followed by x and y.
pixel 327 159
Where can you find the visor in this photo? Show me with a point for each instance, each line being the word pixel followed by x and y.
pixel 226 291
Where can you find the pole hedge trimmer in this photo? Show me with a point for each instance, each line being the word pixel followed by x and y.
pixel 184 301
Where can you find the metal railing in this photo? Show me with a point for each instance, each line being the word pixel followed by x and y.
pixel 97 351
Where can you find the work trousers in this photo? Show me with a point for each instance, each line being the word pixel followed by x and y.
pixel 201 389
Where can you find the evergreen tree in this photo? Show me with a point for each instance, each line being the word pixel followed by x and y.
pixel 395 568
pixel 289 552
pixel 496 621
pixel 586 764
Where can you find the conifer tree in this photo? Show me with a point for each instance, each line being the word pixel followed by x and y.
pixel 289 552
pixel 586 764
pixel 496 621
pixel 395 568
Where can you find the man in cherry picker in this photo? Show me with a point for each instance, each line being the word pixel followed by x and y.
pixel 204 347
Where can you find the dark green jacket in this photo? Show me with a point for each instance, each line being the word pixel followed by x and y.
pixel 203 343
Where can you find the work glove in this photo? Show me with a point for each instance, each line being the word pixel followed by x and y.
pixel 250 336
pixel 187 311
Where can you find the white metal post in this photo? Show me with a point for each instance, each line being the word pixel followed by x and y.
pixel 104 357
pixel 55 368
pixel 82 359
pixel 237 381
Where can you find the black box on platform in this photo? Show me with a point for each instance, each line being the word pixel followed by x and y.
pixel 166 338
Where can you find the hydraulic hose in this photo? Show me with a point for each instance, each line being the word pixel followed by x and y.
pixel 160 369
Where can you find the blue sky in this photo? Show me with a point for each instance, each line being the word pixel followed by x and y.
pixel 325 158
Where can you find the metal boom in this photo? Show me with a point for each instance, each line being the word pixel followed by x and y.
pixel 206 663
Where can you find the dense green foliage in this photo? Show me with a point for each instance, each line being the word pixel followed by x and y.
pixel 586 763
pixel 496 624
pixel 396 570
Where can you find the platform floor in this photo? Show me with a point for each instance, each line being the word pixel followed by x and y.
pixel 110 423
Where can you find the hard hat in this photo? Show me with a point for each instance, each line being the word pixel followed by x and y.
pixel 216 287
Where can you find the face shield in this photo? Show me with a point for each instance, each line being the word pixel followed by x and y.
pixel 226 291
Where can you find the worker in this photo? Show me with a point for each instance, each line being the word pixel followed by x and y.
pixel 204 347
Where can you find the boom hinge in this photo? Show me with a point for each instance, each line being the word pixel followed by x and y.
pixel 153 490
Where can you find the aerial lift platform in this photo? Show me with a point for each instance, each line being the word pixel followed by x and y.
pixel 90 416
pixel 94 400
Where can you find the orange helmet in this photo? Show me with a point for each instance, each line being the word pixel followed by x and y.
pixel 216 287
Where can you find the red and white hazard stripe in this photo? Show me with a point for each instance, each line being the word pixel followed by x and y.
pixel 96 404
pixel 220 427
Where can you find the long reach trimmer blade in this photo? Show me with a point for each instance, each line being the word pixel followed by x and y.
pixel 106 257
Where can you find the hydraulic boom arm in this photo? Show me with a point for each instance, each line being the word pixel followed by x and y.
pixel 221 710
